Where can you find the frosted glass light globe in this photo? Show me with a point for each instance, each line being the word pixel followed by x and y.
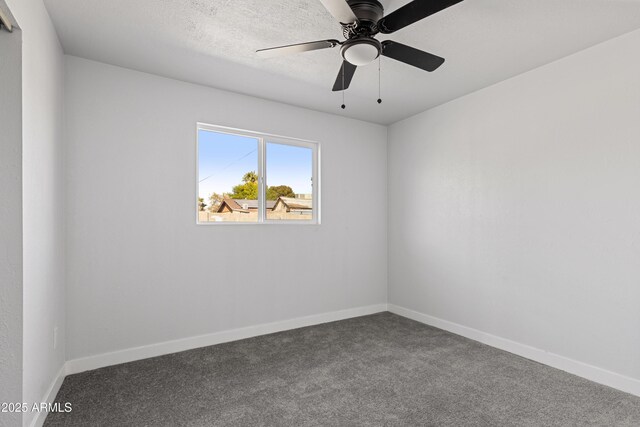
pixel 360 53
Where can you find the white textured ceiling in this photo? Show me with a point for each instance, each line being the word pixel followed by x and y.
pixel 213 42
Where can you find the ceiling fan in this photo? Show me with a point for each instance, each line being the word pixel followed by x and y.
pixel 361 20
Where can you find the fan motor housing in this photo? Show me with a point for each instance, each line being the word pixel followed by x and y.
pixel 367 10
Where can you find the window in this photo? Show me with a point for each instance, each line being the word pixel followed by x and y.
pixel 248 177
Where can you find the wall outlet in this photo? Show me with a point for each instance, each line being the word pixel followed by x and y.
pixel 55 337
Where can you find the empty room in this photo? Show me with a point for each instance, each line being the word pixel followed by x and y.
pixel 319 213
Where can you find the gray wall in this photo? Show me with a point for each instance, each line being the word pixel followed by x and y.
pixel 43 200
pixel 516 210
pixel 140 271
pixel 10 221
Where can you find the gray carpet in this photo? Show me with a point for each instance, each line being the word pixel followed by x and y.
pixel 374 370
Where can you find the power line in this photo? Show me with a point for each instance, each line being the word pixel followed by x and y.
pixel 230 164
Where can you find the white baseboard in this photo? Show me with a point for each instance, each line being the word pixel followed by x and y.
pixel 137 353
pixel 49 397
pixel 584 370
pixel 590 372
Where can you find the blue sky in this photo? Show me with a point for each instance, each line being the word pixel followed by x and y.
pixel 224 159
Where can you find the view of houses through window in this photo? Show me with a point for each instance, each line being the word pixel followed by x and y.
pixel 237 170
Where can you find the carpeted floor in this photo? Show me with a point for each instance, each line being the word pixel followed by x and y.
pixel 374 370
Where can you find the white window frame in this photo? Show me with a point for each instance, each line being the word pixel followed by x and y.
pixel 263 139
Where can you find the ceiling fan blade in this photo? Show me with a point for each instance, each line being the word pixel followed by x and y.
pixel 411 56
pixel 297 48
pixel 412 12
pixel 343 83
pixel 340 10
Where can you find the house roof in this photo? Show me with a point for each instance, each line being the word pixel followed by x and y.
pixel 238 204
pixel 294 203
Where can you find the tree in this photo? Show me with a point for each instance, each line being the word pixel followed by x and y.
pixel 215 200
pixel 201 203
pixel 274 192
pixel 248 190
pixel 250 177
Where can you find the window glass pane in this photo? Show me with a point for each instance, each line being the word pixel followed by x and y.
pixel 228 177
pixel 289 188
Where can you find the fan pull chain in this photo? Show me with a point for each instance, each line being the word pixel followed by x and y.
pixel 379 78
pixel 343 106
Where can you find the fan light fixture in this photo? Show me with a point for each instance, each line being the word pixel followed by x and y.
pixel 360 53
pixel 361 22
pixel 5 21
